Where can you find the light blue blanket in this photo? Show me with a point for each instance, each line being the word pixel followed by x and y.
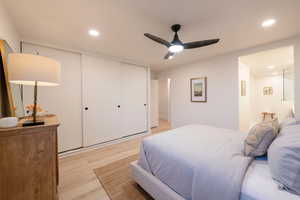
pixel 198 162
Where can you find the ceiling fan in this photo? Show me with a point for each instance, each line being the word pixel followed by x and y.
pixel 176 45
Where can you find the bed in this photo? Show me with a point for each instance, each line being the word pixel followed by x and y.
pixel 182 164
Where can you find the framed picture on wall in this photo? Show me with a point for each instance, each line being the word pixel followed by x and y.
pixel 268 91
pixel 199 89
pixel 243 88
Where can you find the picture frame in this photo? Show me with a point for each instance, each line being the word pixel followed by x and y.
pixel 198 89
pixel 268 91
pixel 243 88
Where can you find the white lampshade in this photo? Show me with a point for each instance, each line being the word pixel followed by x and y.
pixel 25 69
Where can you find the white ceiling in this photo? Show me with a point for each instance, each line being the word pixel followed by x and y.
pixel 122 23
pixel 280 58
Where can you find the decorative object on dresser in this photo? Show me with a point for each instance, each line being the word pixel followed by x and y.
pixel 8 122
pixel 28 69
pixel 29 162
pixel 39 110
pixel 199 89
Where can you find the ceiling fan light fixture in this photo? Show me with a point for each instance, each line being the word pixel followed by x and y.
pixel 94 33
pixel 268 23
pixel 177 45
pixel 176 48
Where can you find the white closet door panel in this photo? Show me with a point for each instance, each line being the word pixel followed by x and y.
pixel 101 94
pixel 63 100
pixel 133 99
pixel 154 103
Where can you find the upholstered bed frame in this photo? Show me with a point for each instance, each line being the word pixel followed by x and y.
pixel 152 185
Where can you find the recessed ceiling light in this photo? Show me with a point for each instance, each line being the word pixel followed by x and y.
pixel 268 22
pixel 93 32
pixel 271 67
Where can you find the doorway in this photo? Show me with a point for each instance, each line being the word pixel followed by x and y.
pixel 160 103
pixel 164 99
pixel 266 86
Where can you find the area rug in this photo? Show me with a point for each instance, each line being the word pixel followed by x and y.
pixel 117 182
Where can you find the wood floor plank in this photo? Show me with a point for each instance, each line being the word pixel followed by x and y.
pixel 77 178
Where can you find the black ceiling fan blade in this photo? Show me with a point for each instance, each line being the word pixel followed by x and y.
pixel 168 55
pixel 192 45
pixel 157 39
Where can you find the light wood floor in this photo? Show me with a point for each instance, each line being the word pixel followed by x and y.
pixel 76 176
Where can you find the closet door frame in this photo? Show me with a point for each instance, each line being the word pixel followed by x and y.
pixel 82 106
pixel 88 63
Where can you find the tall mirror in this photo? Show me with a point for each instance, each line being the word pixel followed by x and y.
pixel 10 94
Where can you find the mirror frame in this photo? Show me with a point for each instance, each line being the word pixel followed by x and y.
pixel 12 93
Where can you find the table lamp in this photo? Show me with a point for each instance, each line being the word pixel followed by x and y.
pixel 28 69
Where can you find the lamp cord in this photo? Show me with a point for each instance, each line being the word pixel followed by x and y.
pixel 35 102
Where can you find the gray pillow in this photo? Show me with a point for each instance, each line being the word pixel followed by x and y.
pixel 284 159
pixel 260 137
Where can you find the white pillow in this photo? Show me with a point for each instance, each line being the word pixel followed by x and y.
pixel 289 122
pixel 284 159
pixel 292 129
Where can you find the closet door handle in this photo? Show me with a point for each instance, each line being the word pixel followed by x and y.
pixel 86 108
pixel 119 106
pixel 145 104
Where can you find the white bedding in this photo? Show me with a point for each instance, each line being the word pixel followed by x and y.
pixel 259 185
pixel 173 160
pixel 180 157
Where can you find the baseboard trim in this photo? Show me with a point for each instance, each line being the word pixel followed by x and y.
pixel 99 146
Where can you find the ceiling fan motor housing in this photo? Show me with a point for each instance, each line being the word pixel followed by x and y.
pixel 176 27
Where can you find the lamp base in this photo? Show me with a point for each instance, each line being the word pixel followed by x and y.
pixel 32 123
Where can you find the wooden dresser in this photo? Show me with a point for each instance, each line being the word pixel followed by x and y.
pixel 29 163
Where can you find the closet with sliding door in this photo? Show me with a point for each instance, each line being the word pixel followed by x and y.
pixel 114 99
pixel 98 100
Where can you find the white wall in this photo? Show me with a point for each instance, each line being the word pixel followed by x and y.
pixel 222 108
pixel 7 29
